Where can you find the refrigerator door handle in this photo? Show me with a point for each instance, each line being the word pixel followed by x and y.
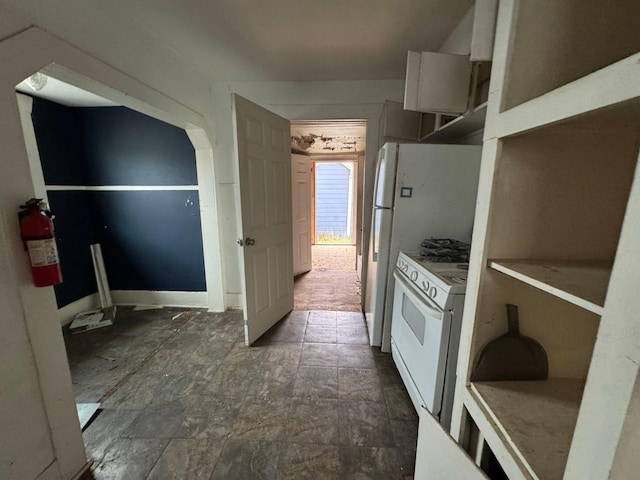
pixel 377 180
pixel 384 185
pixel 376 221
pixel 374 234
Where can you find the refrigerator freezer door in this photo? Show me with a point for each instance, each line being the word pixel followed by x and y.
pixel 386 175
pixel 377 269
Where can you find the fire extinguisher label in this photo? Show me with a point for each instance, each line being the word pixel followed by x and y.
pixel 42 252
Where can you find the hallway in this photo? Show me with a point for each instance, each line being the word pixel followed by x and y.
pixel 332 284
pixel 183 397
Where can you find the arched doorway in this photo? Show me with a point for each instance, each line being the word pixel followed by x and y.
pixel 38 387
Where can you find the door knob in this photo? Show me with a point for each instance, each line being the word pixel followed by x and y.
pixel 250 241
pixel 240 242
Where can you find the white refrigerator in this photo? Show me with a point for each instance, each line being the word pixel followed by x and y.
pixel 420 191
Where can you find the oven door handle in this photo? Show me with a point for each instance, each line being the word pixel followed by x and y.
pixel 419 299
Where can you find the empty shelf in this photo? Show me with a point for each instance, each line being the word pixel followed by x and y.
pixel 535 419
pixel 582 283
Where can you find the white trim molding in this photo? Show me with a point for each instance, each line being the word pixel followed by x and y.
pixel 119 188
pixel 67 313
pixel 153 298
pixel 234 300
pixel 159 298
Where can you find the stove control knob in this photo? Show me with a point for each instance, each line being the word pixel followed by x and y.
pixel 425 286
pixel 433 292
pixel 404 267
pixel 414 275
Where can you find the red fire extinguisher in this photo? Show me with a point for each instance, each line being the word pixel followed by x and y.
pixel 36 229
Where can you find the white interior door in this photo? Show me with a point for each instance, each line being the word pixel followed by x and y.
pixel 301 208
pixel 263 149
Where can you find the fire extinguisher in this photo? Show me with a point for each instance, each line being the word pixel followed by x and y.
pixel 36 229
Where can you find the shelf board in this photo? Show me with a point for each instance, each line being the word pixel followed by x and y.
pixel 609 87
pixel 459 127
pixel 579 282
pixel 534 419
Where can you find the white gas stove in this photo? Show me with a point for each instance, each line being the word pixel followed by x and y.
pixel 425 329
pixel 436 279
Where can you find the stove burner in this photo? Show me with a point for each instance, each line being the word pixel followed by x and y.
pixel 445 250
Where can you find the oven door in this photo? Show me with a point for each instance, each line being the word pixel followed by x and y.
pixel 420 340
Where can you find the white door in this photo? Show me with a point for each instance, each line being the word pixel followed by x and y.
pixel 301 207
pixel 263 149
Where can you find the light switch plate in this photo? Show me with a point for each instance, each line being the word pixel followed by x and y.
pixel 406 192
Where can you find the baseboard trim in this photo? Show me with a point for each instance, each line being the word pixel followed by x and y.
pixel 67 313
pixel 234 300
pixel 160 298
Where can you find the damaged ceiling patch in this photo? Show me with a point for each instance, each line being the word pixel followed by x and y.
pixel 330 136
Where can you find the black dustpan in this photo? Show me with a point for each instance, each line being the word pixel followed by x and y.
pixel 511 356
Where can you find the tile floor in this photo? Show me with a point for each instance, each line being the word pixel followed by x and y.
pixel 184 398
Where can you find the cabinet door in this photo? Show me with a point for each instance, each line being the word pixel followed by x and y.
pixel 398 123
pixel 484 30
pixel 437 82
pixel 439 457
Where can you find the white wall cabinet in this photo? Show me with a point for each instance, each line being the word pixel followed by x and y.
pixel 442 128
pixel 437 82
pixel 452 92
pixel 485 13
pixel 396 123
pixel 557 232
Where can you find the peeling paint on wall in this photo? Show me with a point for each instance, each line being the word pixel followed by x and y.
pixel 326 137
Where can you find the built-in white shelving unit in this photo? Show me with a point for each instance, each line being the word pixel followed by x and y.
pixel 557 232
pixel 456 129
pixel 582 283
pixel 534 419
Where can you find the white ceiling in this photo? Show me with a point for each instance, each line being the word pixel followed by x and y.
pixel 299 39
pixel 258 40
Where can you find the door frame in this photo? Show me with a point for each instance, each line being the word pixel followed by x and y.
pixel 354 188
pixel 313 201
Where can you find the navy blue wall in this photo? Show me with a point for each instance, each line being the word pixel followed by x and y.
pixel 124 147
pixel 59 143
pixel 74 234
pixel 151 240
